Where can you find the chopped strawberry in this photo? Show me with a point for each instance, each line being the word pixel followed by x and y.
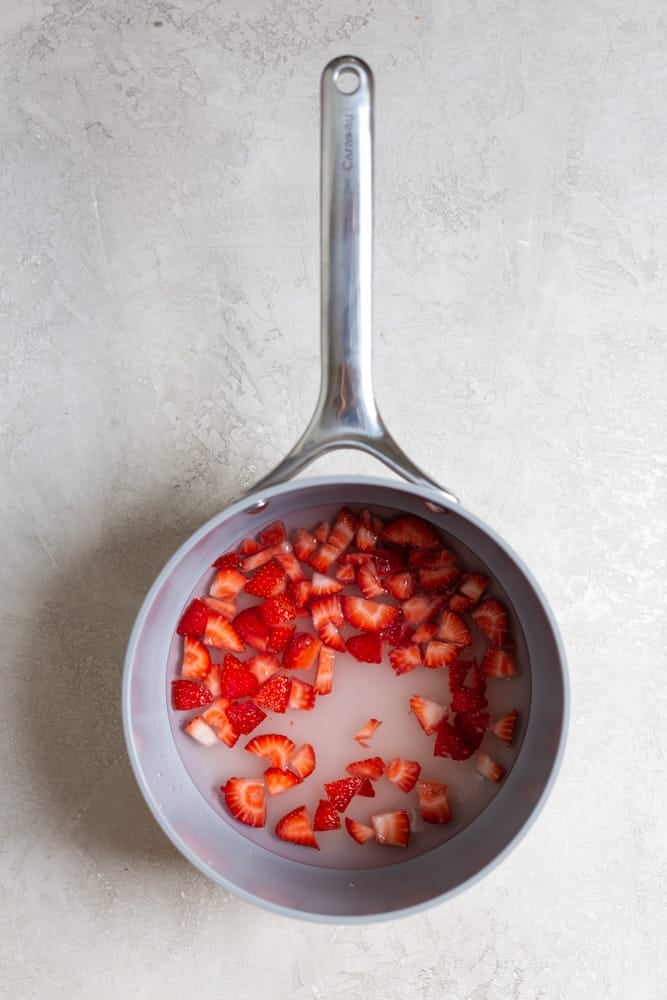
pixel 371 767
pixel 454 629
pixel 472 586
pixel 367 581
pixel 404 660
pixel 504 728
pixel 471 726
pixel 338 540
pixel 196 659
pixel 429 713
pixel 217 718
pixel 292 566
pixel 355 559
pixel 303 761
pixel 273 747
pixel 263 666
pixel 231 560
pixel 365 647
pixel 221 633
pixel 448 743
pixel 212 680
pixel 411 530
pixel 324 586
pixel 497 663
pixel 194 618
pixel 425 632
pixel 392 828
pixel 328 618
pixel 279 781
pixel 236 681
pixel 488 767
pixel 249 546
pixel 345 573
pixel 227 583
pixel 340 793
pixel 420 608
pixel 368 616
pixel 433 802
pixel 440 654
pixel 304 544
pixel 399 633
pixel 271 534
pixel 366 731
pixel 244 798
pixel 277 610
pixel 403 773
pixel 401 586
pixel 359 831
pixel 296 828
pixel 270 580
pixel 252 629
pixel 324 673
pixel 265 556
pixel 465 699
pixel 222 606
pixel 366 788
pixel 301 695
pixel 301 651
pixel 458 672
pixel 245 716
pixel 274 694
pixel 458 603
pixel 322 531
pixel 438 579
pixel 365 539
pixel 436 558
pixel 279 636
pixel 388 561
pixel 491 618
pixel 189 694
pixel 300 593
pixel 201 732
pixel 326 817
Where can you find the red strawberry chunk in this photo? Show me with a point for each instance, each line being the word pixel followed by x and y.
pixel 448 743
pixel 472 586
pixel 263 666
pixel 324 673
pixel 366 789
pixel 273 747
pixel 404 660
pixel 425 632
pixel 216 717
pixel 296 828
pixel 301 695
pixel 274 694
pixel 359 831
pixel 503 728
pixel 236 681
pixel 279 636
pixel 366 537
pixel 252 629
pixel 471 727
pixel 371 767
pixel 488 767
pixel 433 802
pixel 244 798
pixel 265 556
pixel 277 610
pixel 303 761
pixel 292 566
pixel 459 603
pixel 497 663
pixel 392 828
pixel 465 699
pixel 438 579
pixel 440 654
pixel 323 586
pixel 231 560
pixel 411 530
pixel 367 581
pixel 368 616
pixel 454 629
pixel 491 618
pixel 193 620
pixel 196 659
pixel 458 672
pixel 271 534
pixel 249 546
pixel 429 713
pixel 342 531
pixel 221 633
pixel 365 647
pixel 366 731
pixel 270 580
pixel 212 680
pixel 355 559
pixel 227 583
pixel 301 651
pixel 436 558
pixel 388 561
pixel 300 593
pixel 189 694
pixel 420 608
pixel 345 573
pixel 304 544
pixel 245 716
pixel 222 606
pixel 278 781
pixel 401 586
pixel 326 817
pixel 201 732
pixel 322 531
pixel 403 773
pixel 340 793
pixel 327 618
pixel 399 633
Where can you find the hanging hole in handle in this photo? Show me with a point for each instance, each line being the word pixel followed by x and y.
pixel 347 80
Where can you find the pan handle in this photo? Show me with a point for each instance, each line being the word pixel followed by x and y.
pixel 346 414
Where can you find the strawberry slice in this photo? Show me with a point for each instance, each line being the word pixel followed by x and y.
pixel 278 781
pixel 392 829
pixel 196 659
pixel 221 633
pixel 212 680
pixel 216 717
pixel 324 673
pixel 438 579
pixel 189 694
pixel 366 731
pixel 231 560
pixel 304 544
pixel 472 586
pixel 488 767
pixel 245 716
pixel 303 761
pixel 222 606
pixel 388 561
pixel 368 582
pixel 227 583
pixel 301 651
pixel 401 586
pixel 437 558
pixel 408 529
pixel 497 663
pixel 270 580
pixel 371 767
pixel 368 616
pixel 236 681
pixel 324 586
pixel 454 629
pixel 296 828
pixel 277 610
pixel 252 629
pixel 340 793
pixel 292 566
pixel 368 528
pixel 326 817
pixel 300 593
pixel 244 798
pixel 366 788
pixel 404 660
pixel 433 802
pixel 420 608
pixel 193 620
pixel 271 534
pixel 263 666
pixel 328 618
pixel 322 531
pixel 491 618
pixel 425 632
pixel 338 540
pixel 355 559
pixel 265 556
pixel 279 636
pixel 458 672
pixel 466 699
pixel 503 728
pixel 448 743
pixel 345 573
pixel 273 747
pixel 458 603
pixel 471 727
pixel 301 695
pixel 201 732
pixel 274 694
pixel 366 647
pixel 359 831
pixel 440 654
pixel 429 713
pixel 249 546
pixel 404 773
pixel 399 633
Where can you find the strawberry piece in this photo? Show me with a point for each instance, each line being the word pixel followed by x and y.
pixel 212 680
pixel 277 610
pixel 368 616
pixel 231 560
pixel 324 586
pixel 271 534
pixel 270 580
pixel 252 629
pixel 403 773
pixel 202 733
pixel 429 713
pixel 274 694
pixel 301 695
pixel 497 663
pixel 303 761
pixel 273 747
pixel 420 608
pixel 221 633
pixel 189 694
pixel 345 573
pixel 367 581
pixel 491 618
pixel 296 828
pixel 217 718
pixel 392 829
pixel 340 793
pixel 503 728
pixel 458 672
pixel 322 531
pixel 324 673
pixel 454 629
pixel 488 767
pixel 366 647
pixel 327 618
pixel 265 556
pixel 433 802
pixel 448 743
pixel 227 583
pixel 425 632
pixel 193 620
pixel 399 633
pixel 355 559
pixel 301 651
pixel 236 681
pixel 300 593
pixel 359 831
pixel 338 540
pixel 304 544
pixel 440 654
pixel 404 660
pixel 465 699
pixel 366 537
pixel 278 781
pixel 472 586
pixel 326 817
pixel 279 636
pixel 249 546
pixel 196 659
pixel 222 606
pixel 292 566
pixel 388 561
pixel 244 798
pixel 263 666
pixel 459 603
pixel 411 530
pixel 245 716
pixel 401 586
pixel 366 731
pixel 471 727
pixel 438 579
pixel 371 767
pixel 435 558
pixel 366 789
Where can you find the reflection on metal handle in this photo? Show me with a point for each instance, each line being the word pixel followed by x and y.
pixel 346 415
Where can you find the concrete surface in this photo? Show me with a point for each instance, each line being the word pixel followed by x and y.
pixel 159 302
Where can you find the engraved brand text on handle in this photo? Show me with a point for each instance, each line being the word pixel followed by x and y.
pixel 348 142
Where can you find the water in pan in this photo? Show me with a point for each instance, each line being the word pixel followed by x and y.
pixel 361 691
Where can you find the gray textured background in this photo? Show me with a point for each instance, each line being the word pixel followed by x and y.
pixel 159 304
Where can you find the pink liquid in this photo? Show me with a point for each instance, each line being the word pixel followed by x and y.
pixel 361 691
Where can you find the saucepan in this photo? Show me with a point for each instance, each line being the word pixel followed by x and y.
pixel 346 416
